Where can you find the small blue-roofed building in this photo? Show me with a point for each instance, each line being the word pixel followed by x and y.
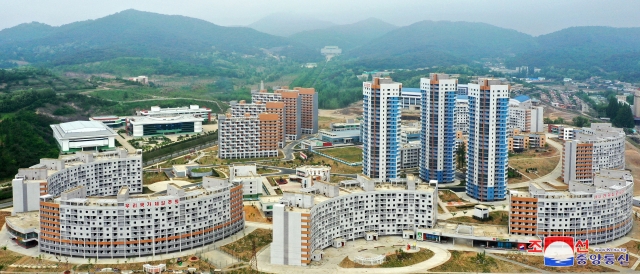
pixel 340 137
pixel 522 98
pixel 410 98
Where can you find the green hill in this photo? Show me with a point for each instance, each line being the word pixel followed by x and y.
pixel 132 33
pixel 598 49
pixel 447 42
pixel 346 37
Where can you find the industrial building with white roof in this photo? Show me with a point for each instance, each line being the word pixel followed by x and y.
pixel 83 135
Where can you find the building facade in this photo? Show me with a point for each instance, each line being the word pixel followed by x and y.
pixel 202 112
pixel 306 223
pixel 300 107
pixel 461 114
pixel 161 125
pixel 83 135
pixel 438 128
pixel 593 149
pixel 248 177
pixel 600 213
pixel 248 136
pixel 487 153
pixel 124 226
pixel 381 129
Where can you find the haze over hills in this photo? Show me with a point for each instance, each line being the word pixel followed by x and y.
pixel 372 43
pixel 284 25
pixel 446 42
pixel 133 33
pixel 346 37
pixel 598 48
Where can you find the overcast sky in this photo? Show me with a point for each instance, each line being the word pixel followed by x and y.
pixel 532 17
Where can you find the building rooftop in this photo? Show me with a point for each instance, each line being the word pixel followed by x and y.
pixel 411 91
pixel 348 187
pixel 341 134
pixel 522 98
pixel 476 231
pixel 25 221
pixel 164 119
pixel 81 129
pixel 462 97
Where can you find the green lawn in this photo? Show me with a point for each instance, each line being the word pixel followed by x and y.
pixel 350 154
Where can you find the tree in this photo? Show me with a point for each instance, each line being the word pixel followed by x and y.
pixel 580 121
pixel 461 155
pixel 624 117
pixel 612 107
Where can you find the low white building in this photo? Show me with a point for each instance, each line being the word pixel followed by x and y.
pixel 161 125
pixel 248 176
pixel 308 174
pixel 195 110
pixel 83 135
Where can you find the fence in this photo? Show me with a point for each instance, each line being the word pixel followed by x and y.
pixel 336 159
pixel 179 153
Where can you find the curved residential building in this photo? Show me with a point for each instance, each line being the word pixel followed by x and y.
pixel 329 214
pixel 84 206
pixel 600 213
pixel 596 148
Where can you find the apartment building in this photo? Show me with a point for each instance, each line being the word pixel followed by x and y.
pixel 601 212
pixel 410 155
pixel 519 142
pixel 248 177
pixel 593 149
pixel 309 110
pixel 487 153
pixel 438 128
pixel 126 226
pixel 102 174
pixel 195 110
pixel 463 89
pixel 524 116
pixel 381 129
pixel 300 107
pixel 461 114
pixel 306 222
pixel 248 136
pixel 241 109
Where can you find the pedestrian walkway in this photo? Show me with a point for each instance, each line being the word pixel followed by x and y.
pixel 334 256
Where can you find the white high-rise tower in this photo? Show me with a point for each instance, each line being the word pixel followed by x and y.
pixel 381 129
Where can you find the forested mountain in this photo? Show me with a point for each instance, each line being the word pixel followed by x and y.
pixel 284 25
pixel 132 33
pixel 429 43
pixel 346 37
pixel 597 49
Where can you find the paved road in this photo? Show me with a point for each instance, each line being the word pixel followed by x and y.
pixel 551 177
pixel 125 144
pixel 288 149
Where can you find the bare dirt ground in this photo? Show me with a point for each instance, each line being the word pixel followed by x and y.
pixel 632 156
pixel 352 111
pixel 553 114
